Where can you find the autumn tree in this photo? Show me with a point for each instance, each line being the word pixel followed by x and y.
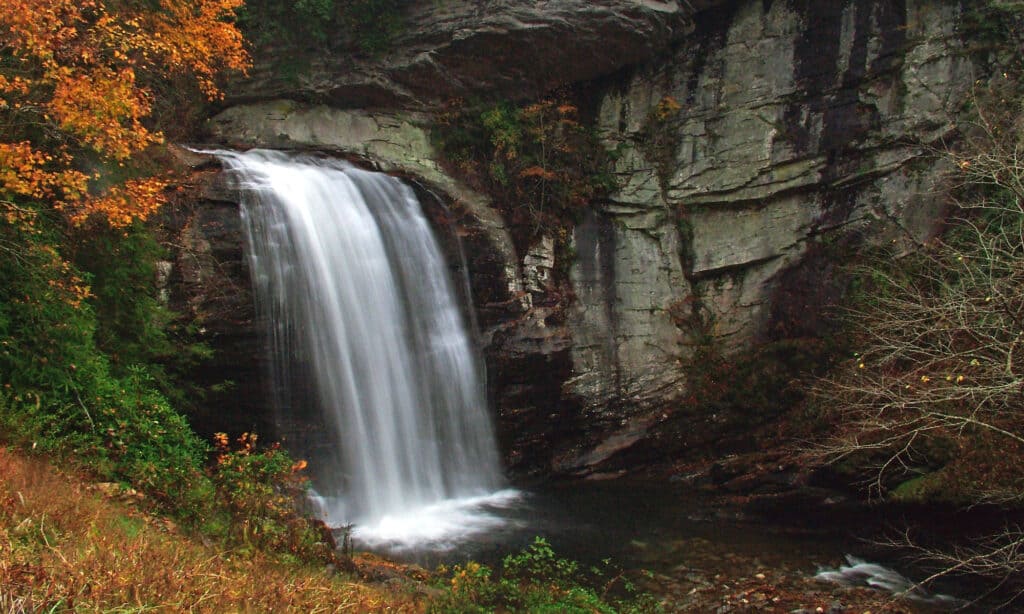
pixel 80 81
pixel 77 90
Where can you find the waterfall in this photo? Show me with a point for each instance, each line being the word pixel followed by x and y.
pixel 355 290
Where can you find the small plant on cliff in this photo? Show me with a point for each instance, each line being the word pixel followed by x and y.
pixel 660 137
pixel 539 160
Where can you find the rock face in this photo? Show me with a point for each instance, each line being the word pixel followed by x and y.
pixel 795 120
pixel 777 132
pixel 461 48
pixel 207 280
pixel 757 142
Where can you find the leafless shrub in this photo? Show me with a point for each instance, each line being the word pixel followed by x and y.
pixel 933 401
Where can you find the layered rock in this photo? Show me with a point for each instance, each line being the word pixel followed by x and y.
pixel 795 119
pixel 462 48
pixel 781 134
pixel 756 143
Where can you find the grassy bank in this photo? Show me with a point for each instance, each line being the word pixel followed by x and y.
pixel 69 545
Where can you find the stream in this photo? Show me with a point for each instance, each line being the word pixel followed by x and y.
pixel 699 549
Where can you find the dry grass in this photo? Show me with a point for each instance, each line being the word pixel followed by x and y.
pixel 65 546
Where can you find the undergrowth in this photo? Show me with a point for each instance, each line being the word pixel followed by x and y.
pixel 64 547
pixel 69 545
pixel 537 580
pixel 86 375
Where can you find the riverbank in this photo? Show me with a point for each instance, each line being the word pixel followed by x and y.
pixel 69 543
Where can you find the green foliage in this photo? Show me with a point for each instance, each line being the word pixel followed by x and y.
pixel 81 385
pixel 131 322
pixel 539 160
pixel 258 490
pixel 61 392
pixel 266 22
pixel 60 389
pixel 372 24
pixel 539 563
pixel 133 327
pixel 319 10
pixel 537 580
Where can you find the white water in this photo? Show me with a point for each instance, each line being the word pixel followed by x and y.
pixel 348 273
pixel 859 572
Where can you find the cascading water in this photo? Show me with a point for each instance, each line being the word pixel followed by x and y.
pixel 354 287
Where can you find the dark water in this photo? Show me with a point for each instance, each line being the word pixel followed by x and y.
pixel 671 529
pixel 651 525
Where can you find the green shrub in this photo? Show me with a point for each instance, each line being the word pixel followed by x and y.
pixel 61 391
pixel 258 490
pixel 537 580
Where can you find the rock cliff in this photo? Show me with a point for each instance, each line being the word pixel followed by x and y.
pixel 465 48
pixel 756 144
